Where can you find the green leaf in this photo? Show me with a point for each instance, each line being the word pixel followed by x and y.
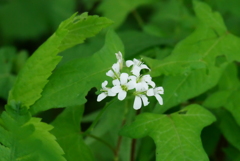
pixel 117 10
pixel 177 136
pixel 228 93
pixel 33 76
pixel 230 129
pixel 26 138
pixel 210 44
pixel 68 133
pixel 180 88
pixel 70 83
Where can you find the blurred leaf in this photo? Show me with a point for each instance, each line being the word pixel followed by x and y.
pixel 135 42
pixel 117 10
pixel 77 77
pixel 7 55
pixel 33 76
pixel 177 136
pixel 170 19
pixel 26 19
pixel 232 153
pixel 68 133
pixel 25 138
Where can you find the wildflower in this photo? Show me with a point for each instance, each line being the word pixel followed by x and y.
pixel 122 86
pixel 137 66
pixel 106 91
pixel 114 72
pixel 156 92
pixel 142 81
pixel 139 98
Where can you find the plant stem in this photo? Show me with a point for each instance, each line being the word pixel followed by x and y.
pixel 118 144
pixel 138 18
pixel 133 144
pixel 102 141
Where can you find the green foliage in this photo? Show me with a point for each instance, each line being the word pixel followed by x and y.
pixel 33 77
pixel 81 75
pixel 68 133
pixel 192 52
pixel 26 138
pixel 177 136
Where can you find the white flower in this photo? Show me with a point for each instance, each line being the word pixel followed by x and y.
pixel 120 59
pixel 137 66
pixel 142 81
pixel 114 72
pixel 122 86
pixel 139 98
pixel 105 92
pixel 156 92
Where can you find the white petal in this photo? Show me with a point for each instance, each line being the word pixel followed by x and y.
pixel 147 78
pixel 144 85
pixel 116 82
pixel 151 83
pixel 159 90
pixel 159 98
pixel 111 93
pixel 122 94
pixel 119 56
pixel 116 89
pixel 129 63
pixel 137 103
pixel 131 85
pixel 110 73
pixel 143 66
pixel 136 62
pixel 104 84
pixel 150 92
pixel 123 78
pixel 136 70
pixel 145 100
pixel 116 67
pixel 133 78
pixel 101 96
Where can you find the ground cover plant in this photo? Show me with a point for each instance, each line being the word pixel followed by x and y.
pixel 119 80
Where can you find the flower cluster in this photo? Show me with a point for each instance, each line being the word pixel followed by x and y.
pixel 123 82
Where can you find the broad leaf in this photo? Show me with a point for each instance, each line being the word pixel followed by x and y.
pixel 68 132
pixel 177 136
pixel 26 138
pixel 70 83
pixel 33 77
pixel 206 46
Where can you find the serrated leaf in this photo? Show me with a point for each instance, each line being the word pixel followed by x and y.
pixel 68 133
pixel 70 83
pixel 117 10
pixel 177 136
pixel 203 48
pixel 33 76
pixel 25 138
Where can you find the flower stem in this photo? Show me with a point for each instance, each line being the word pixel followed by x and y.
pixel 98 117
